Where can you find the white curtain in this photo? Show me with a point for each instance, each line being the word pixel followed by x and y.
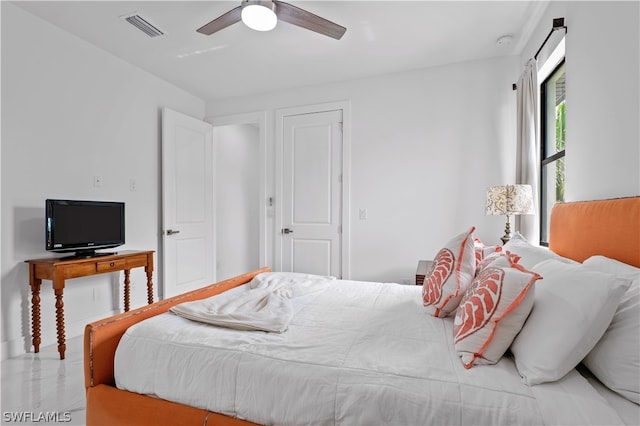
pixel 528 150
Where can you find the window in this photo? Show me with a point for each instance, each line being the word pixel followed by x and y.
pixel 552 122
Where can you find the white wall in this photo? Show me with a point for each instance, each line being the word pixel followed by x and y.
pixel 237 153
pixel 603 96
pixel 425 144
pixel 71 111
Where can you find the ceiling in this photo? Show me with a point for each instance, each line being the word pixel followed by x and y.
pixel 382 37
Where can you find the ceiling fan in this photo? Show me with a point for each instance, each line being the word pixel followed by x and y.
pixel 263 15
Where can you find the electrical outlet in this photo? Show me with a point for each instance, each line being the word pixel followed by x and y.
pixel 97 181
pixel 132 185
pixel 363 213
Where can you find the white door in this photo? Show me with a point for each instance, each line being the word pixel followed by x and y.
pixel 312 193
pixel 188 243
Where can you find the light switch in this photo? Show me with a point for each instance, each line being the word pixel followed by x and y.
pixel 363 214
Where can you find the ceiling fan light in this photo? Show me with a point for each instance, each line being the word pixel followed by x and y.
pixel 259 15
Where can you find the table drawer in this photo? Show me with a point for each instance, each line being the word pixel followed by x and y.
pixel 136 261
pixel 111 265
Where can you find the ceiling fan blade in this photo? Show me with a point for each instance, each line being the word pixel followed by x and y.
pixel 222 22
pixel 296 16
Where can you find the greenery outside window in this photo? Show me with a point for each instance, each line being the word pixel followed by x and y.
pixel 552 123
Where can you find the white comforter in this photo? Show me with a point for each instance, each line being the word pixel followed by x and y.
pixel 266 306
pixel 354 353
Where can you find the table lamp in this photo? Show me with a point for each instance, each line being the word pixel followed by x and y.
pixel 509 200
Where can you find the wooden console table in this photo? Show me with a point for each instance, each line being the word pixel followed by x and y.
pixel 59 269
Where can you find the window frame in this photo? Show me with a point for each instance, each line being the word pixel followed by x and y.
pixel 544 160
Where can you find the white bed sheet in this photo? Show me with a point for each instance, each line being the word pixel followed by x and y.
pixel 628 411
pixel 354 353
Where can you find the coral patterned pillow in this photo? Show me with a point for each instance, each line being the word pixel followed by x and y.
pixel 512 257
pixel 482 250
pixel 493 310
pixel 450 275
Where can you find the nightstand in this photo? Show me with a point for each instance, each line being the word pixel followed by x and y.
pixel 423 268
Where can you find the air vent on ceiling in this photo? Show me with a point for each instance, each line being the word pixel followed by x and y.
pixel 142 24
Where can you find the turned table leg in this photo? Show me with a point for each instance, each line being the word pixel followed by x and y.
pixel 149 270
pixel 127 289
pixel 62 347
pixel 35 308
pixel 58 289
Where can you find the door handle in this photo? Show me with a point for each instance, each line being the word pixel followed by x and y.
pixel 172 231
pixel 287 231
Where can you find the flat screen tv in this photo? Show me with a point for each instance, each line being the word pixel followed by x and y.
pixel 82 227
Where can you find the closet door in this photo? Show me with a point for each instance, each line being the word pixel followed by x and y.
pixel 312 193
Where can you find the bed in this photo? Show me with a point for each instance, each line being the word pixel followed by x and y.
pixel 375 353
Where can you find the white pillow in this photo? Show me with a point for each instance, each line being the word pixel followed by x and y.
pixel 615 359
pixel 572 308
pixel 530 255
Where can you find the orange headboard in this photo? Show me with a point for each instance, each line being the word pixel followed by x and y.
pixel 611 228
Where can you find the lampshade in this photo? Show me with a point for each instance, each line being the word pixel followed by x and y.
pixel 259 15
pixel 510 200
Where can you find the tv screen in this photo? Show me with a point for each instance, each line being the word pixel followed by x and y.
pixel 83 226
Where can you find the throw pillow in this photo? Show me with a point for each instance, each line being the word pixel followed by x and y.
pixel 450 275
pixel 493 311
pixel 482 250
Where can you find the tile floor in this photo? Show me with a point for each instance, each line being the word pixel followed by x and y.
pixel 41 389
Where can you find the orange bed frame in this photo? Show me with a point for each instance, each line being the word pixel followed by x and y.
pixel 110 406
pixel 610 228
pixel 578 230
